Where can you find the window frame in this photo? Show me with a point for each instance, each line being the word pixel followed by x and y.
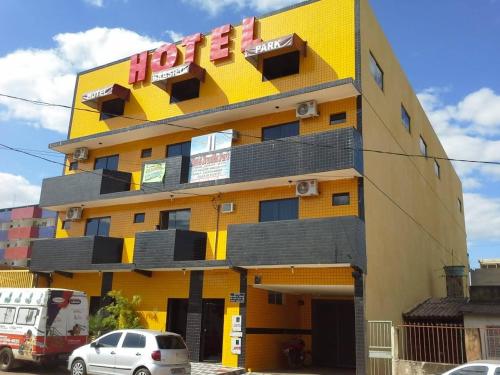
pixel 296 200
pixel 107 114
pixel 421 142
pixel 107 158
pixel 437 169
pixel 37 312
pixel 98 225
pixel 338 121
pixel 374 62
pixel 146 153
pixel 275 298
pixel 108 335
pixel 282 62
pixel 14 315
pixel 280 126
pixel 169 212
pixel 138 216
pixel 181 145
pixel 66 224
pixel 404 113
pixel 142 339
pixel 476 367
pixel 175 86
pixel 73 166
pixel 341 195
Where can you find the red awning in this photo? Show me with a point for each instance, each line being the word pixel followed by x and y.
pixel 178 73
pixel 275 47
pixel 114 91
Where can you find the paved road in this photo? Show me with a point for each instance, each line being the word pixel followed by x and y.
pixel 35 370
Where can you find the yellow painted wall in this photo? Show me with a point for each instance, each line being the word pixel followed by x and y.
pixel 90 283
pixel 405 264
pixel 329 32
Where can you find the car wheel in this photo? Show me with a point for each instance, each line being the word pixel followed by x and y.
pixel 142 371
pixel 78 368
pixel 6 359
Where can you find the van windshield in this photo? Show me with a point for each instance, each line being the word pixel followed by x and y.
pixel 170 342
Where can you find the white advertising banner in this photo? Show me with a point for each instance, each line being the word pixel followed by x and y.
pixel 210 166
pixel 153 172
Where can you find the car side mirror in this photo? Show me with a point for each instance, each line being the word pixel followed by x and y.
pixel 94 344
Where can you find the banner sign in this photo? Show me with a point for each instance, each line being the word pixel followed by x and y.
pixel 272 45
pixel 211 166
pixel 237 297
pixel 92 95
pixel 153 172
pixel 170 73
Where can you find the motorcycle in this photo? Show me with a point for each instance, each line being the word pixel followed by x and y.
pixel 295 353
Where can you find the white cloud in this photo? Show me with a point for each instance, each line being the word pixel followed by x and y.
pixel 16 190
pixel 96 3
pixel 49 75
pixel 174 35
pixel 213 7
pixel 482 217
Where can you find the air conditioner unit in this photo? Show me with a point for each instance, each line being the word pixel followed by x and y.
pixel 81 153
pixel 307 109
pixel 227 208
pixel 306 188
pixel 74 213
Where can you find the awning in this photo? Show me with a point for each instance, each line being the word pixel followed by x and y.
pixel 275 47
pixel 178 73
pixel 114 91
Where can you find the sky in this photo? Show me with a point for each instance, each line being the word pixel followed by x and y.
pixel 448 48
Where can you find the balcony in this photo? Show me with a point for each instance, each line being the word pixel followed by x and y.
pixel 308 242
pixel 89 253
pixel 64 191
pixel 323 156
pixel 172 249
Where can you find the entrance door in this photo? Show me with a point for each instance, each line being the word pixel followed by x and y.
pixel 177 316
pixel 333 337
pixel 211 330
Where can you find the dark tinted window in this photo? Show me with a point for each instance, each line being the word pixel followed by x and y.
pixel 179 149
pixel 134 340
pixel 175 219
pixel 338 118
pixel 471 370
pixel 280 131
pixel 98 226
pixel 111 340
pixel 274 298
pixel 146 153
pixel 282 209
pixel 497 371
pixel 112 108
pixel 281 66
pixel 185 90
pixel 422 146
pixel 66 224
pixel 170 342
pixel 73 166
pixel 107 162
pixel 139 218
pixel 405 118
pixel 341 199
pixel 377 73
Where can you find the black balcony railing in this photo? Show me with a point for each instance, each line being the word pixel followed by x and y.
pixel 77 254
pixel 332 240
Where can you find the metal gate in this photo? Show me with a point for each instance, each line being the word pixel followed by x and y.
pixel 380 347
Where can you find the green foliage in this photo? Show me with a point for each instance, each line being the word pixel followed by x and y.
pixel 120 313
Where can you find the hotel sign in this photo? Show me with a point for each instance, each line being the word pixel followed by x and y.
pixel 170 73
pixel 92 95
pixel 272 45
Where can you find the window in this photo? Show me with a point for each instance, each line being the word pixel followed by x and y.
pixel 94 305
pixel 280 209
pixel 341 199
pixel 423 146
pixel 7 315
pixel 139 218
pixel 66 224
pixel 98 226
pixel 437 169
pixel 170 342
pixel 471 370
pixel 26 316
pixel 274 298
pixel 280 131
pixel 281 66
pixel 107 162
pixel 493 342
pixel 405 118
pixel 497 371
pixel 73 166
pixel 377 73
pixel 146 153
pixel 338 118
pixel 111 340
pixel 185 90
pixel 134 340
pixel 175 219
pixel 459 205
pixel 179 149
pixel 112 108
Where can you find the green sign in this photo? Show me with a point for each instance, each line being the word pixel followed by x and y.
pixel 153 172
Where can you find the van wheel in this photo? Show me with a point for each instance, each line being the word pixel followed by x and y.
pixel 6 359
pixel 142 371
pixel 78 368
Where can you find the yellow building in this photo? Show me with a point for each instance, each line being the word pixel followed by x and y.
pixel 228 180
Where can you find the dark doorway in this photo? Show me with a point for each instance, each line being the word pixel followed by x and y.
pixel 211 330
pixel 333 335
pixel 177 316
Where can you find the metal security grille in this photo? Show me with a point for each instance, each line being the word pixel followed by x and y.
pixel 380 347
pixel 493 343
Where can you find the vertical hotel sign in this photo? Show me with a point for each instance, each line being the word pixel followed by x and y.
pixel 211 156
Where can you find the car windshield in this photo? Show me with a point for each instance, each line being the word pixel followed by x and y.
pixel 170 342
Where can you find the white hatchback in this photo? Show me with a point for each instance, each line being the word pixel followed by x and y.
pixel 132 352
pixel 477 368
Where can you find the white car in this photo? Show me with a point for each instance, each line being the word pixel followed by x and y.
pixel 477 368
pixel 132 352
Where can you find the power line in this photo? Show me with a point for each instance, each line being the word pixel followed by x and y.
pixel 186 127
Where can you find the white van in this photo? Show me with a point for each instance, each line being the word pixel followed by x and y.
pixel 40 324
